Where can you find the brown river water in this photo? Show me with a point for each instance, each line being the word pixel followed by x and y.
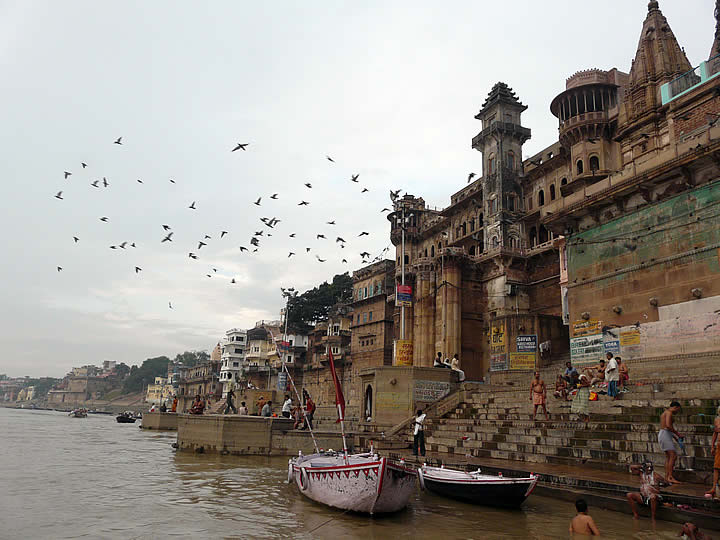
pixel 63 477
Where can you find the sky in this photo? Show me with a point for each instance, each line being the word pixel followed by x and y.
pixel 387 89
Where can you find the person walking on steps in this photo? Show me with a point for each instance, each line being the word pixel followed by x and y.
pixel 538 395
pixel 665 439
pixel 419 434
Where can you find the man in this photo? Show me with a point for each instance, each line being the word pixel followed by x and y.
pixel 690 531
pixel 571 375
pixel 582 523
pixel 419 434
pixel 649 494
pixel 455 366
pixel 439 361
pixel 229 405
pixel 665 438
pixel 267 409
pixel 612 375
pixel 260 404
pixel 623 373
pixel 287 407
pixel 163 407
pixel 243 410
pixel 174 404
pixel 538 395
pixel 152 408
pixel 716 454
pixel 597 372
pixel 198 406
pixel 309 409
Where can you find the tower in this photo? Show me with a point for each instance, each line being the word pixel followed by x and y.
pixel 500 143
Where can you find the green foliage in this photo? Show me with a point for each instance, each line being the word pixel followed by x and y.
pixel 192 358
pixel 122 370
pixel 42 385
pixel 314 304
pixel 145 374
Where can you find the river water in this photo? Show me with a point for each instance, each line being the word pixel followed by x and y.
pixel 65 477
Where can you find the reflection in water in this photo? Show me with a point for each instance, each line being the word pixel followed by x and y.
pixel 88 478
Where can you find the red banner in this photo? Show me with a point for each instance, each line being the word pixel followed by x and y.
pixel 339 398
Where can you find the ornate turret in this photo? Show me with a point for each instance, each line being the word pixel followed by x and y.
pixel 715 50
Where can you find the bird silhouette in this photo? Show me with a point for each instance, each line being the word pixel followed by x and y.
pixel 395 194
pixel 133 245
pixel 319 259
pixel 59 268
pixel 317 237
pixel 105 182
pixel 240 146
pixel 95 183
pixel 138 269
pixel 113 247
pixel 140 181
pixel 307 250
pixel 59 195
pixel 192 206
pixel 254 241
pixel 76 239
pixel 257 203
pixel 214 270
pixel 254 250
pixel 345 261
pixel 363 234
pixel 364 254
pixel 123 245
pixel 104 219
pixel 208 237
pixel 223 233
pixel 243 248
pixel 118 141
pixel 67 174
pixel 339 239
pixel 384 210
pixel 290 254
pixel 170 305
pixel 172 181
pixel 84 165
pixel 166 227
pixel 192 256
pixel 471 176
pixel 208 275
pixel 233 280
pixel 201 244
pixel 331 222
pixel 303 203
pixel 330 159
pixel 274 196
pixel 308 185
pixel 354 178
pixel 365 190
pixel 258 233
pixel 291 235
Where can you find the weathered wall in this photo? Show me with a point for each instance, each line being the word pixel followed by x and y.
pixel 161 421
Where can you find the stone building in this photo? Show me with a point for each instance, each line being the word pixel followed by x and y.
pixel 203 379
pixel 612 225
pixel 232 357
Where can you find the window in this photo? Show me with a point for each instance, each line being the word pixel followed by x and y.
pixel 235 364
pixel 362 343
pixel 495 241
pixel 533 236
pixel 472 250
pixel 552 192
pixel 238 351
pixel 432 251
pixel 365 288
pixel 407 259
pixel 491 164
pixel 464 228
pixel 511 161
pixel 529 203
pixel 492 203
pixel 472 224
pixel 370 316
pixel 510 203
pixel 336 329
pixel 580 166
pixel 336 350
pixel 594 163
pixel 425 252
pixel 364 317
pixel 358 320
pixel 541 198
pixel 563 182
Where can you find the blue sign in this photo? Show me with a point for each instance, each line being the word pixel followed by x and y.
pixel 526 343
pixel 612 346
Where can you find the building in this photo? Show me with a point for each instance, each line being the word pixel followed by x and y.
pixel 232 357
pixel 161 391
pixel 604 240
pixel 260 353
pixel 202 379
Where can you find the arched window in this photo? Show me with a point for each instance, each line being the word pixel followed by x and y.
pixel 552 192
pixel 472 250
pixel 425 252
pixel 580 166
pixel 368 402
pixel 594 163
pixel 541 198
pixel 563 182
pixel 533 236
pixel 407 259
pixel 495 241
pixel 543 234
pixel 511 160
pixel 491 164
pixel 432 251
pixel 464 228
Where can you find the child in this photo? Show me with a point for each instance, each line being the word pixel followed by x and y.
pixel 583 523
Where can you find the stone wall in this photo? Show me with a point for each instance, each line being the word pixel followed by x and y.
pixel 160 421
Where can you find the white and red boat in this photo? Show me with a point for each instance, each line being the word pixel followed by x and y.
pixel 475 487
pixel 363 483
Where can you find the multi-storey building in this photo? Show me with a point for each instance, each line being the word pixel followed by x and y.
pixel 233 356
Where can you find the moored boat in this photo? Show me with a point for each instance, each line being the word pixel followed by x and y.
pixel 78 413
pixel 125 418
pixel 477 488
pixel 363 483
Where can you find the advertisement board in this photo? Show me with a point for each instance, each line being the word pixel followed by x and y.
pixel 498 362
pixel 403 296
pixel 403 352
pixel 522 360
pixel 526 344
pixel 587 349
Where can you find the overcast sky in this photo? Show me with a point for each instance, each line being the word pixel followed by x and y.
pixel 388 89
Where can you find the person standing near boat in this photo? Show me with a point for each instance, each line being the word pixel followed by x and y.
pixel 287 407
pixel 419 434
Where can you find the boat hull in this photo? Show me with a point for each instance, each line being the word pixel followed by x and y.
pixel 375 487
pixel 488 491
pixel 125 420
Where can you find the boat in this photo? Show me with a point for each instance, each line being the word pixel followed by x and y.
pixel 78 413
pixel 476 487
pixel 364 483
pixel 125 418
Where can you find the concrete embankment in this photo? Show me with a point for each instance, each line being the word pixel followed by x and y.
pixel 248 435
pixel 160 421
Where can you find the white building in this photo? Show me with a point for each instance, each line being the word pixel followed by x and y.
pixel 234 350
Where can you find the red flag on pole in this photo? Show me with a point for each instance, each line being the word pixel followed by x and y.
pixel 339 398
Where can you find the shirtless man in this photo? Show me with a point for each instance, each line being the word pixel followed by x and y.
pixel 649 493
pixel 583 523
pixel 665 438
pixel 715 451
pixel 538 395
pixel 597 372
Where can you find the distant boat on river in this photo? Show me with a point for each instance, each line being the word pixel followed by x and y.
pixel 126 418
pixel 78 413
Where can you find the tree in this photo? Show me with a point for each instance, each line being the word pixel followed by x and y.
pixel 145 374
pixel 122 370
pixel 42 385
pixel 314 304
pixel 192 358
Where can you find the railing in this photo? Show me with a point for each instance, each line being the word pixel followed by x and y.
pixel 596 116
pixel 691 79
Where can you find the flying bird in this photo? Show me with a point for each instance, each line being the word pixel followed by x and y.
pixel 105 182
pixel 254 250
pixel 113 247
pixel 330 159
pixel 394 194
pixel 384 210
pixel 233 280
pixel 339 239
pixel 363 234
pixel 240 146
pixel 214 270
pixel 258 233
pixel 59 195
pixel 208 237
pixel 308 185
pixel 166 227
pixel 118 141
pixel 201 244
pixel 243 248
pixel 192 206
pixel 354 178
pixel 365 190
pixel 291 235
pixel 95 183
pixel 208 275
pixel 84 165
pixel 59 268
pixel 133 245
pixel 138 269
pixel 303 203
pixel 331 222
pixel 319 259
pixel 170 305
pixel 172 181
pixel 257 203
pixel 76 239
pixel 104 219
pixel 320 236
pixel 274 196
pixel 290 254
pixel 307 250
pixel 123 245
pixel 67 174
pixel 471 176
pixel 364 254
pixel 192 255
pixel 223 233
pixel 140 181
pixel 344 260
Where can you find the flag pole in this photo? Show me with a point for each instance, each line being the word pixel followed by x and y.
pixel 342 430
pixel 317 450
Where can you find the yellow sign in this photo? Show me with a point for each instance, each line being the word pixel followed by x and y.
pixel 522 360
pixel 631 337
pixel 586 328
pixel 497 339
pixel 403 352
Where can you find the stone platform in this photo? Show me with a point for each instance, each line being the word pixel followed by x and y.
pixel 160 421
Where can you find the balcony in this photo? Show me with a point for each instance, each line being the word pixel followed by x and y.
pixel 689 81
pixel 522 133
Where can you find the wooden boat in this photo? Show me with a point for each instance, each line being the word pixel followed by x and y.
pixel 477 488
pixel 78 413
pixel 125 418
pixel 363 483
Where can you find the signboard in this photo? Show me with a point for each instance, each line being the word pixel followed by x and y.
pixel 282 381
pixel 430 390
pixel 587 349
pixel 630 337
pixel 403 296
pixel 498 362
pixel 522 360
pixel 586 328
pixel 403 352
pixel 612 346
pixel 497 339
pixel 526 344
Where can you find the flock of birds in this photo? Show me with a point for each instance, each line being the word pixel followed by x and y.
pixel 268 228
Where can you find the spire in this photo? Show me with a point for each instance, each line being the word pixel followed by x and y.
pixel 501 93
pixel 716 42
